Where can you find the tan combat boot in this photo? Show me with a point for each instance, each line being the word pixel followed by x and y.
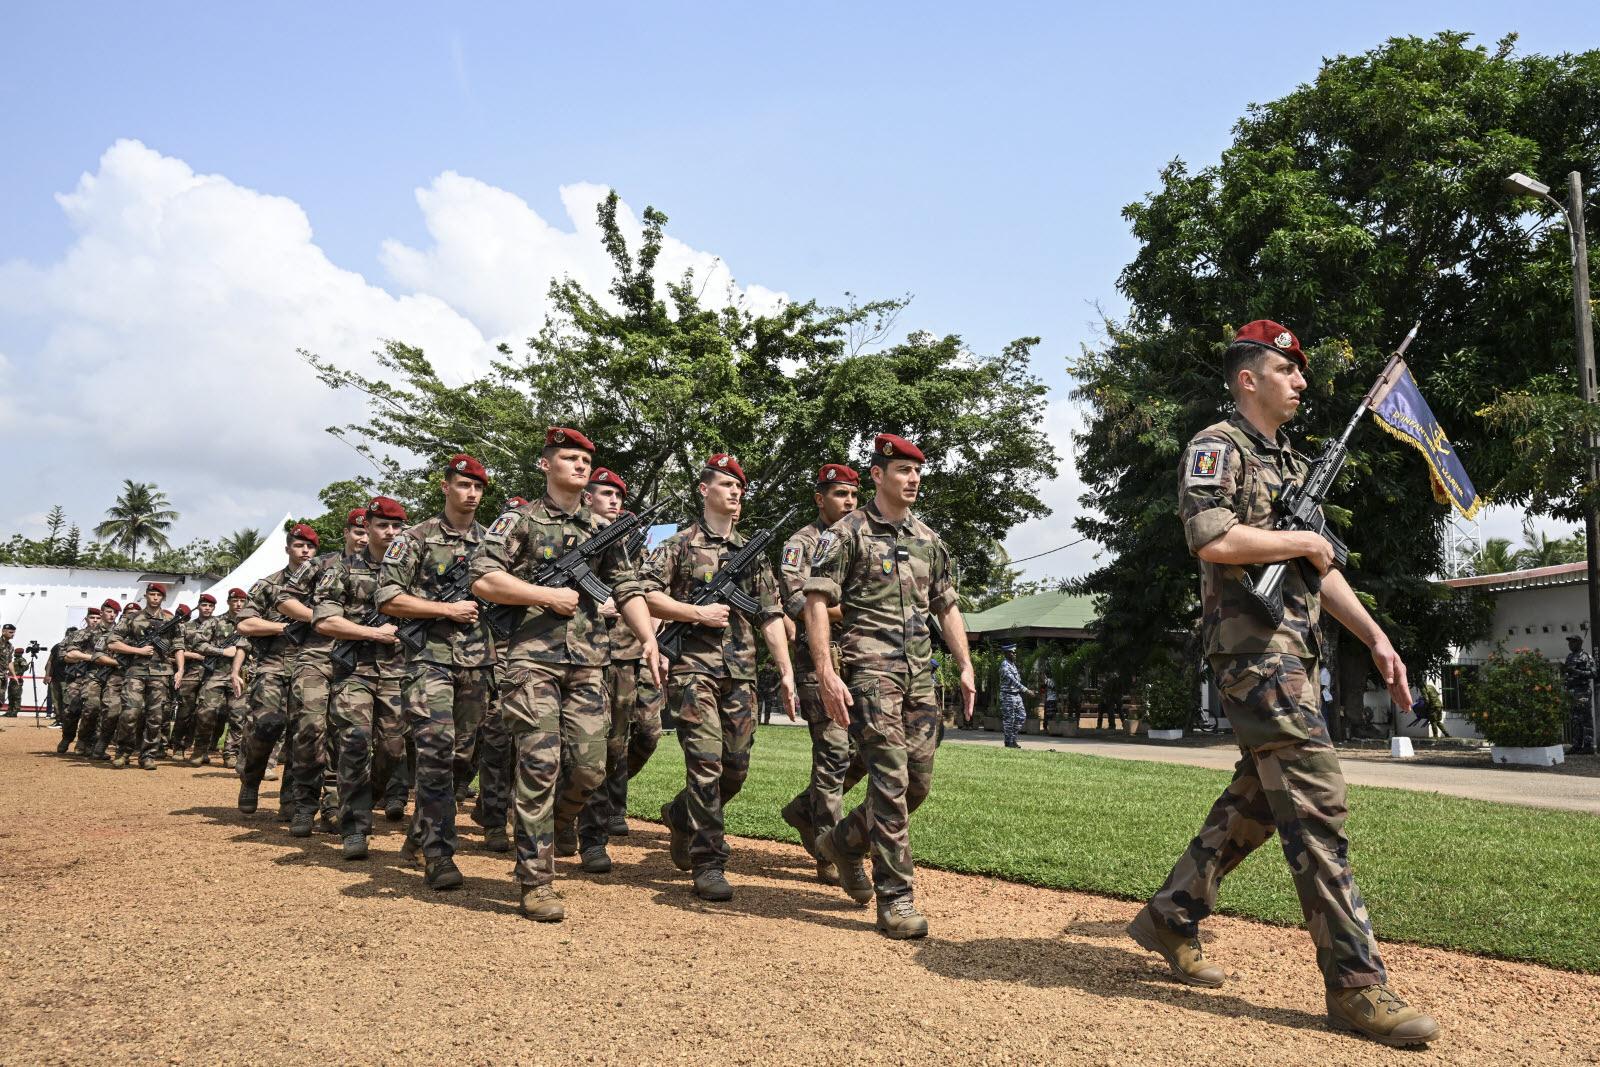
pixel 1183 954
pixel 901 920
pixel 1373 1011
pixel 542 904
pixel 852 870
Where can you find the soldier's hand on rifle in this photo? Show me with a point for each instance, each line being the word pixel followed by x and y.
pixel 561 601
pixel 462 612
pixel 836 698
pixel 1317 550
pixel 608 610
pixel 387 634
pixel 145 650
pixel 713 615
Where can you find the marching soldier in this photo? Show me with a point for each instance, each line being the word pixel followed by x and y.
pixel 1288 776
pixel 555 701
pixel 185 686
pixel 75 657
pixel 237 708
pixel 886 571
pixel 712 687
pixel 147 685
pixel 450 679
pixel 98 723
pixel 214 655
pixel 1577 677
pixel 834 767
pixel 262 619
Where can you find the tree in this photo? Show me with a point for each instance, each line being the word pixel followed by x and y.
pixel 140 516
pixel 1496 557
pixel 661 382
pixel 1545 551
pixel 1348 208
pixel 237 547
pixel 53 524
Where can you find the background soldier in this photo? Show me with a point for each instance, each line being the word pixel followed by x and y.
pixel 96 723
pixel 1288 776
pixel 1012 711
pixel 8 635
pixel 1577 676
pixel 185 686
pixel 14 675
pixel 835 768
pixel 71 673
pixel 711 688
pixel 147 684
pixel 239 683
pixel 213 655
pixel 886 571
pixel 450 679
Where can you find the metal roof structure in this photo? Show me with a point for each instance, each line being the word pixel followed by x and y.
pixel 1041 615
pixel 1560 574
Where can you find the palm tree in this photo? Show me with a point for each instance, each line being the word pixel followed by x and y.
pixel 1546 551
pixel 237 547
pixel 1496 557
pixel 141 516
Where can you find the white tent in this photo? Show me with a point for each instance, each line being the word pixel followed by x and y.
pixel 267 559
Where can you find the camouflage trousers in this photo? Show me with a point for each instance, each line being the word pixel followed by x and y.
pixel 13 698
pixel 1288 779
pixel 110 713
pixel 442 704
pixel 895 724
pixel 836 767
pixel 237 718
pixel 66 699
pixel 307 769
pixel 635 704
pixel 490 755
pixel 558 718
pixel 717 728
pixel 1580 733
pixel 146 703
pixel 1012 716
pixel 212 705
pixel 266 720
pixel 91 700
pixel 365 722
pixel 184 707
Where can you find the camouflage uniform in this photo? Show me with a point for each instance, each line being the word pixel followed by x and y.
pixel 364 714
pixel 185 700
pixel 7 659
pixel 95 724
pixel 886 578
pixel 19 667
pixel 311 685
pixel 835 765
pixel 146 686
pixel 211 639
pixel 712 687
pixel 449 684
pixel 110 696
pixel 1288 776
pixel 267 716
pixel 1012 712
pixel 554 701
pixel 1577 677
pixel 73 677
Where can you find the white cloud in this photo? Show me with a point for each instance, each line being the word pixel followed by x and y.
pixel 161 345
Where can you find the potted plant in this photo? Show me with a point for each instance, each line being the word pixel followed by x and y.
pixel 1517 703
pixel 1168 689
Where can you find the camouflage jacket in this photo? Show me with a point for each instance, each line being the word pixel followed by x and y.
pixel 534 534
pixel 347 589
pixel 678 567
pixel 274 655
pixel 625 645
pixel 1577 672
pixel 792 575
pixel 131 630
pixel 313 651
pixel 6 656
pixel 1232 474
pixel 412 565
pixel 885 578
pixel 82 640
pixel 207 638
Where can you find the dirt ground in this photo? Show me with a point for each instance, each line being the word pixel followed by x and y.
pixel 145 921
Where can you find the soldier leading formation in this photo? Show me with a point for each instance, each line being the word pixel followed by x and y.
pixel 538 655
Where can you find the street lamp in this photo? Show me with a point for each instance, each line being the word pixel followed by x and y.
pixel 1520 184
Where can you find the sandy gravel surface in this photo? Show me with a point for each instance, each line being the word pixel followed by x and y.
pixel 145 921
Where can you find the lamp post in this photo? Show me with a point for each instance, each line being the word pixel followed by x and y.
pixel 1521 184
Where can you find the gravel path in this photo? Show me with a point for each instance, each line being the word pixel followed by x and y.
pixel 145 921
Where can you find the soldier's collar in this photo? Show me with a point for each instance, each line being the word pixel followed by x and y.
pixel 552 508
pixel 876 516
pixel 733 537
pixel 1249 428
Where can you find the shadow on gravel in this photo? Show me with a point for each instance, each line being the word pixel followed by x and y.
pixel 1108 971
pixel 824 906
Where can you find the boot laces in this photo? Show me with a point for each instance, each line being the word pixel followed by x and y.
pixel 902 908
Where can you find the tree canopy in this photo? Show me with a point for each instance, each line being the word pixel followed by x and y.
pixel 140 516
pixel 1356 204
pixel 661 382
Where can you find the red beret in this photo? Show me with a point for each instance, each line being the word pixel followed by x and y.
pixel 385 507
pixel 357 517
pixel 238 594
pixel 461 463
pixel 836 474
pixel 605 476
pixel 112 603
pixel 301 532
pixel 566 437
pixel 1273 335
pixel 517 502
pixel 887 446
pixel 207 598
pixel 182 611
pixel 723 463
pixel 158 587
pixel 131 606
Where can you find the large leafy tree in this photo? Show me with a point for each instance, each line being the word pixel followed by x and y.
pixel 662 381
pixel 1358 203
pixel 141 516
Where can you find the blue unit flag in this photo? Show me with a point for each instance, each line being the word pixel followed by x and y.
pixel 1401 411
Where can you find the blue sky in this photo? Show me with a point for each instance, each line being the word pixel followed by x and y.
pixel 977 156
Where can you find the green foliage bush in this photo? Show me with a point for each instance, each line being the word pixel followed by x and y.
pixel 1517 700
pixel 1171 690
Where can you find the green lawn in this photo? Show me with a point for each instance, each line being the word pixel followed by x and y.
pixel 1520 883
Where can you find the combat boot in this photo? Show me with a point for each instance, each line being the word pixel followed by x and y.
pixel 200 761
pixel 901 920
pixel 1183 954
pixel 327 823
pixel 542 904
pixel 247 798
pixel 394 810
pixel 617 826
pixel 678 842
pixel 794 814
pixel 567 839
pixel 62 746
pixel 1373 1011
pixel 495 839
pixel 227 762
pixel 146 763
pixel 852 870
pixel 443 874
pixel 711 884
pixel 596 860
pixel 300 825
pixel 411 850
pixel 354 847
pixel 120 761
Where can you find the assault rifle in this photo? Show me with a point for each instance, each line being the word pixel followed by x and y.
pixel 454 584
pixel 723 588
pixel 344 652
pixel 159 636
pixel 573 567
pixel 1299 507
pixel 213 662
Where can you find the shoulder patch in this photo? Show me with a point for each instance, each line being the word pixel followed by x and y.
pixel 1203 462
pixel 396 551
pixel 825 543
pixel 791 557
pixel 503 524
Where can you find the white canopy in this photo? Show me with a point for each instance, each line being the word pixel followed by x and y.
pixel 265 560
